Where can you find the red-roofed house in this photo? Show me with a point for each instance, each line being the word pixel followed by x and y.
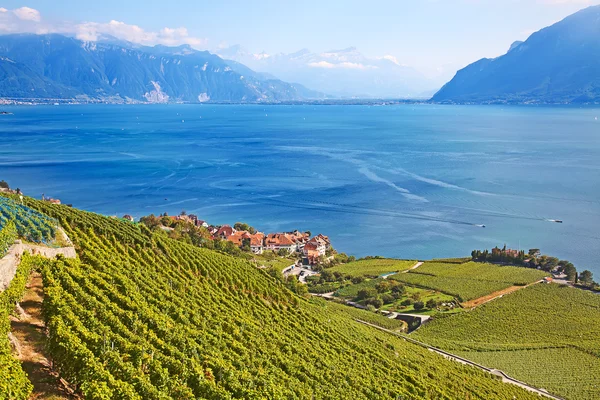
pixel 225 231
pixel 277 241
pixel 257 242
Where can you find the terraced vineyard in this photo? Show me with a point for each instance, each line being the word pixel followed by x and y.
pixel 144 316
pixel 31 225
pixel 470 280
pixel 545 335
pixel 373 267
pixel 8 235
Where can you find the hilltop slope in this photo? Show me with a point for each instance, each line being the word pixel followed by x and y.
pixel 558 64
pixel 144 316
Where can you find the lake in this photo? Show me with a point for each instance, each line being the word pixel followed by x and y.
pixel 408 181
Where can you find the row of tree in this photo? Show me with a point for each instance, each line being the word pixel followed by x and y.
pixel 534 259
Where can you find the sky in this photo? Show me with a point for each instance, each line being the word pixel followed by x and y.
pixel 429 35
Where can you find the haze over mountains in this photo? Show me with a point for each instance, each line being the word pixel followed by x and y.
pixel 558 64
pixel 342 73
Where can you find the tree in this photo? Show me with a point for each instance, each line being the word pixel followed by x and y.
pixel 4 185
pixel 283 253
pixel 357 279
pixel 327 276
pixel 398 288
pixel 246 244
pixel 570 271
pixel 375 302
pixel 534 252
pixel 366 293
pixel 387 298
pixel 241 226
pixel 165 221
pixel 382 286
pixel 419 305
pixel 431 304
pixel 586 277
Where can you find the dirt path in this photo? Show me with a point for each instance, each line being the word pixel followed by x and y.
pixel 417 265
pixel 28 333
pixel 492 296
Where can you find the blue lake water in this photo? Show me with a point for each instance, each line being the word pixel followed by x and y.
pixel 410 181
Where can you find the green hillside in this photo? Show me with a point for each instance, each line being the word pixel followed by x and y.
pixel 143 316
pixel 545 335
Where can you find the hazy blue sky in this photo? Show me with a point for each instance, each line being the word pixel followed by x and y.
pixel 422 33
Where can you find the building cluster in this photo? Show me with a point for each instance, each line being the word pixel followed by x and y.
pixel 50 200
pixel 311 249
pixel 510 253
pixel 298 242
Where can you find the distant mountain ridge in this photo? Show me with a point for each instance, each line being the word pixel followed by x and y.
pixel 558 64
pixel 343 73
pixel 59 67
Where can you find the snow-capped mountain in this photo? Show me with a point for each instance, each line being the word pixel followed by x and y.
pixel 346 72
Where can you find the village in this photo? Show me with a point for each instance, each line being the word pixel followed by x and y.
pixel 311 250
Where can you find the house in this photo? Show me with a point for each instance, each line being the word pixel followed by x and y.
pixel 311 257
pixel 511 253
pixel 202 223
pixel 128 217
pixel 224 232
pixel 317 244
pixel 278 241
pixel 257 242
pixel 52 201
pixel 300 238
pixel 238 237
pixel 325 240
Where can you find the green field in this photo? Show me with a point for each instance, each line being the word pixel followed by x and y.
pixel 470 280
pixel 545 335
pixel 142 316
pixel 373 267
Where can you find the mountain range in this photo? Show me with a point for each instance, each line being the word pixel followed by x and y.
pixel 558 64
pixel 59 67
pixel 342 73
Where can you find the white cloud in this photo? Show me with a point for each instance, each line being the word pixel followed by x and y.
pixel 28 14
pixel 342 65
pixel 29 20
pixel 91 31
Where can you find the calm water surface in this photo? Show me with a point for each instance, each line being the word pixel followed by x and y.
pixel 411 181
